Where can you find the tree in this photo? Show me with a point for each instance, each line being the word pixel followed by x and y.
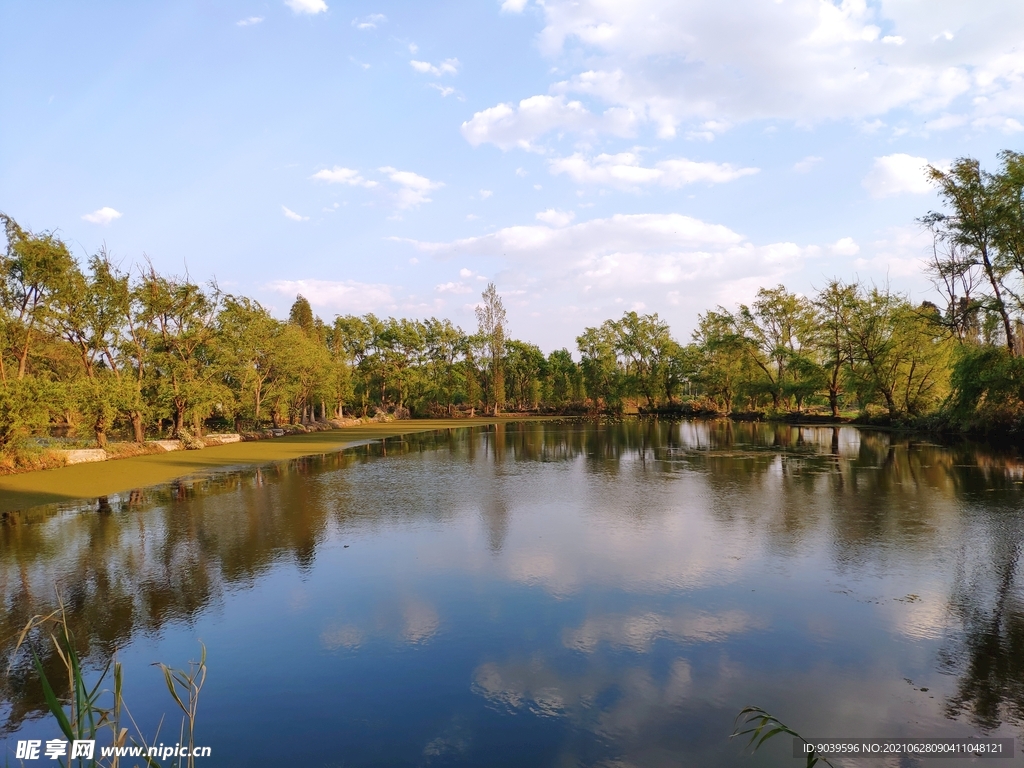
pixel 833 312
pixel 898 352
pixel 490 317
pixel 181 318
pixel 600 365
pixel 444 344
pixel 524 366
pixel 974 225
pixel 34 269
pixel 771 329
pixel 645 343
pixel 301 314
pixel 719 356
pixel 564 381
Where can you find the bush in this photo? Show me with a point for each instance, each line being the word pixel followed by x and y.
pixel 987 392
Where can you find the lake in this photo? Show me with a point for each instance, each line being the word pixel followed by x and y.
pixel 576 593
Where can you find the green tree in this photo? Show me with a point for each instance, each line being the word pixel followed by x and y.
pixel 181 318
pixel 490 317
pixel 34 269
pixel 600 365
pixel 975 226
pixel 771 329
pixel 899 353
pixel 833 312
pixel 719 356
pixel 524 368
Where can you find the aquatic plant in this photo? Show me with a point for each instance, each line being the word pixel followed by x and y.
pixel 762 726
pixel 89 712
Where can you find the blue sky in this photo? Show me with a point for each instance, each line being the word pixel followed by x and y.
pixel 588 156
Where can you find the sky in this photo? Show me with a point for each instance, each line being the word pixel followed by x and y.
pixel 589 157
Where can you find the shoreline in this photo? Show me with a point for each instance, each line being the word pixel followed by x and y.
pixel 75 482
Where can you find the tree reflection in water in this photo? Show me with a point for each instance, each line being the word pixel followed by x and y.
pixel 143 560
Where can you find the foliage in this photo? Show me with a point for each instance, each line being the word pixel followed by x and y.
pixel 762 726
pixel 92 710
pixel 91 350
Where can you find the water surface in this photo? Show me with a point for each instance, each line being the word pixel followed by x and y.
pixel 593 594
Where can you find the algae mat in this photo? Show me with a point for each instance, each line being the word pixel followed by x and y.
pixel 85 481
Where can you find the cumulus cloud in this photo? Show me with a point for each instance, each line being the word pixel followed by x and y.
pixel 249 21
pixel 508 125
pixel 896 175
pixel 845 246
pixel 446 67
pixel 485 193
pixel 556 218
pixel 103 216
pixel 604 264
pixel 342 296
pixel 624 170
pixel 289 213
pixel 412 188
pixel 310 7
pixel 900 252
pixel 369 22
pixel 339 175
pixel 513 6
pixel 669 64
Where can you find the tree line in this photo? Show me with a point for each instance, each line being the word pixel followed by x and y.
pixel 96 349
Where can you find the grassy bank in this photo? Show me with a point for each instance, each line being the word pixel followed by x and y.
pixel 84 481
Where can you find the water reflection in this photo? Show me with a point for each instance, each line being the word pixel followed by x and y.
pixel 628 585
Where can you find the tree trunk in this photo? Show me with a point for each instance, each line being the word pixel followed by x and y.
pixel 100 428
pixel 138 431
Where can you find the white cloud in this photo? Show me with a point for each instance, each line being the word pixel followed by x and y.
pixel 485 193
pixel 342 296
pixel 249 21
pixel 556 218
pixel 633 258
pixel 898 174
pixel 369 22
pixel 311 7
pixel 845 246
pixel 412 188
pixel 464 273
pixel 358 63
pixel 900 253
pixel 444 90
pixel 103 216
pixel 671 65
pixel 513 6
pixel 807 164
pixel 454 287
pixel 339 175
pixel 289 213
pixel 624 170
pixel 507 125
pixel 446 67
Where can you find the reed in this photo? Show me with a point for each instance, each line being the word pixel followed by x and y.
pixel 90 711
pixel 761 726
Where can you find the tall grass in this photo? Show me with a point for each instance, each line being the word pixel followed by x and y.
pixel 88 712
pixel 762 726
